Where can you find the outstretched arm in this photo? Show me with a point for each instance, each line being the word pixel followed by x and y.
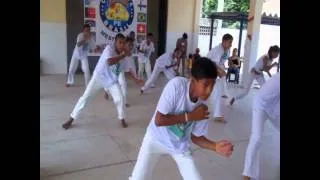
pixel 222 147
pixel 116 59
pixel 139 82
pixel 221 72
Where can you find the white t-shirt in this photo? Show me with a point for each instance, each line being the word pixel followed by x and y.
pixel 164 60
pixel 127 64
pixel 107 73
pixel 219 55
pixel 148 49
pixel 268 98
pixel 175 99
pixel 259 64
pixel 82 51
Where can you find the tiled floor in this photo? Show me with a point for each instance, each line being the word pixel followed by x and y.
pixel 96 148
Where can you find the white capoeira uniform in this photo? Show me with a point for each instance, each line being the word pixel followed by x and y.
pixel 160 66
pixel 171 140
pixel 80 53
pixel 266 105
pixel 219 56
pixel 126 65
pixel 253 76
pixel 144 59
pixel 135 59
pixel 104 77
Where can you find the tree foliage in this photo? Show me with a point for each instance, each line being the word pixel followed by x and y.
pixel 210 6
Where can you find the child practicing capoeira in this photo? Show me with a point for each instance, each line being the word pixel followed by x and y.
pixel 180 117
pixel 219 55
pixel 164 64
pixel 80 53
pixel 263 64
pixel 105 76
pixel 126 67
pixel 266 105
pixel 145 50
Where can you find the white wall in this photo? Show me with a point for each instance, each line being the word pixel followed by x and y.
pixel 53 47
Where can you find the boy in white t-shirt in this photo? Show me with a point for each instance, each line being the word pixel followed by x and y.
pixel 80 53
pixel 264 63
pixel 219 55
pixel 165 64
pixel 126 69
pixel 105 76
pixel 145 50
pixel 266 105
pixel 180 116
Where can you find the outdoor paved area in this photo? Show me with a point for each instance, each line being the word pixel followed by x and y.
pixel 97 148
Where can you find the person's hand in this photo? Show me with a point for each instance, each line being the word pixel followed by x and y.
pixel 98 49
pixel 87 36
pixel 167 67
pixel 127 53
pixel 254 71
pixel 199 113
pixel 139 82
pixel 224 148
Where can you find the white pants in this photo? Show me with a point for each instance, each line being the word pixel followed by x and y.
pixel 215 101
pixel 93 87
pixel 73 67
pixel 223 85
pixel 149 153
pixel 252 76
pixel 252 159
pixel 123 86
pixel 144 67
pixel 169 73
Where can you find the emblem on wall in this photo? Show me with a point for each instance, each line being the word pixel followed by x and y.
pixel 116 15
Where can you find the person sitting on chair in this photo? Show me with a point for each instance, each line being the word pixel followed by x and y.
pixel 234 65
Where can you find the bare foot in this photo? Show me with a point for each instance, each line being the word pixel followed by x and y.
pixel 68 124
pixel 224 96
pixel 220 120
pixel 246 178
pixel 127 105
pixel 232 101
pixel 68 85
pixel 153 86
pixel 123 123
pixel 106 96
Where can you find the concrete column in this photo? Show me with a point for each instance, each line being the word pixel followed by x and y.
pixel 196 18
pixel 254 30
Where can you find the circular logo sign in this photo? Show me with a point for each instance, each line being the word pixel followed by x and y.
pixel 116 15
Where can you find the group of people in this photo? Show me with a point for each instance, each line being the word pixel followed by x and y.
pixel 182 112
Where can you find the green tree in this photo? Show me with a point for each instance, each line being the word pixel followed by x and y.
pixel 210 6
pixel 236 5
